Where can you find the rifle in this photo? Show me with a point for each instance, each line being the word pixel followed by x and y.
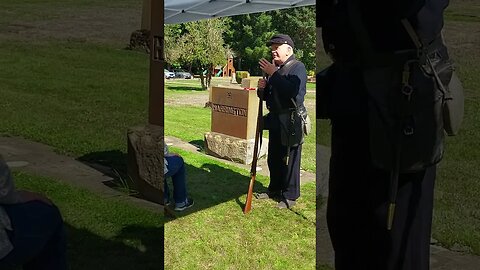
pixel 253 170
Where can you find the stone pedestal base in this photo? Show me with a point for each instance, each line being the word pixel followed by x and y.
pixel 249 83
pixel 232 148
pixel 145 161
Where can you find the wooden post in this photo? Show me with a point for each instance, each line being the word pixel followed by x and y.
pixel 157 59
pixel 146 13
pixel 145 143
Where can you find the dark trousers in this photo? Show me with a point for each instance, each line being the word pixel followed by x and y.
pixel 176 170
pixel 358 202
pixel 38 237
pixel 284 179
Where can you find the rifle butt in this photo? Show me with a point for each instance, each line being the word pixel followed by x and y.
pixel 248 203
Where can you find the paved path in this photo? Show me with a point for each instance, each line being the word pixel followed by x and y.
pixel 40 159
pixel 440 259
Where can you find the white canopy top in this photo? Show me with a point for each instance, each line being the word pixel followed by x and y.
pixel 179 11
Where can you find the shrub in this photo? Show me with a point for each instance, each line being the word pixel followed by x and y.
pixel 239 75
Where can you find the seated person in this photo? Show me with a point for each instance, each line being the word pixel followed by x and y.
pixel 175 168
pixel 31 228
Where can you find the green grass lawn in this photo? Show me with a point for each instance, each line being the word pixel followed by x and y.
pixel 31 11
pixel 219 236
pixel 102 233
pixel 456 212
pixel 81 109
pixel 215 234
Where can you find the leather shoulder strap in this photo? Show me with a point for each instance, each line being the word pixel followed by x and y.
pixel 284 70
pixel 288 66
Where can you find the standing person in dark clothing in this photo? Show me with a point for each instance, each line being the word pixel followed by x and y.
pixel 355 33
pixel 284 90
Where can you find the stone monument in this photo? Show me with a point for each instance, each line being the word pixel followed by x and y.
pixel 233 124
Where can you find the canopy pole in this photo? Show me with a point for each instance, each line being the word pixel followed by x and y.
pixel 157 60
pixel 146 15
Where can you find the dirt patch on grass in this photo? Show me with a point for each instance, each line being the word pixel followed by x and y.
pixel 463 37
pixel 197 99
pixel 89 24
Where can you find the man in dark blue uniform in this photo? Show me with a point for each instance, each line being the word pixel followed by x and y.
pixel 284 90
pixel 358 190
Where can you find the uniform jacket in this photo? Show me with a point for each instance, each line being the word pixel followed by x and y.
pixel 288 86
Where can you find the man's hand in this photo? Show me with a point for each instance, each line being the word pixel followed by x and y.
pixel 28 196
pixel 267 67
pixel 262 83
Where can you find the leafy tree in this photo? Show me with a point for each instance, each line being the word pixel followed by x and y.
pixel 198 44
pixel 247 35
pixel 203 44
pixel 299 24
pixel 173 52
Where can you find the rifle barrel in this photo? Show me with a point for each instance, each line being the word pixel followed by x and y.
pixel 253 170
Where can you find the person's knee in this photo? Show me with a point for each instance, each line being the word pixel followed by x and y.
pixel 56 214
pixel 50 213
pixel 180 160
pixel 175 162
pixel 55 219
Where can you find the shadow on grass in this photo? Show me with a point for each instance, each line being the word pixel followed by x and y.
pixel 112 159
pixel 136 247
pixel 185 88
pixel 114 165
pixel 209 185
pixel 198 143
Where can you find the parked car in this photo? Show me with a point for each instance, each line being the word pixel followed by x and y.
pixel 168 74
pixel 180 73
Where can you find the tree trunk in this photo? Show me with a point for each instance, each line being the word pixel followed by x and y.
pixel 202 80
pixel 209 75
